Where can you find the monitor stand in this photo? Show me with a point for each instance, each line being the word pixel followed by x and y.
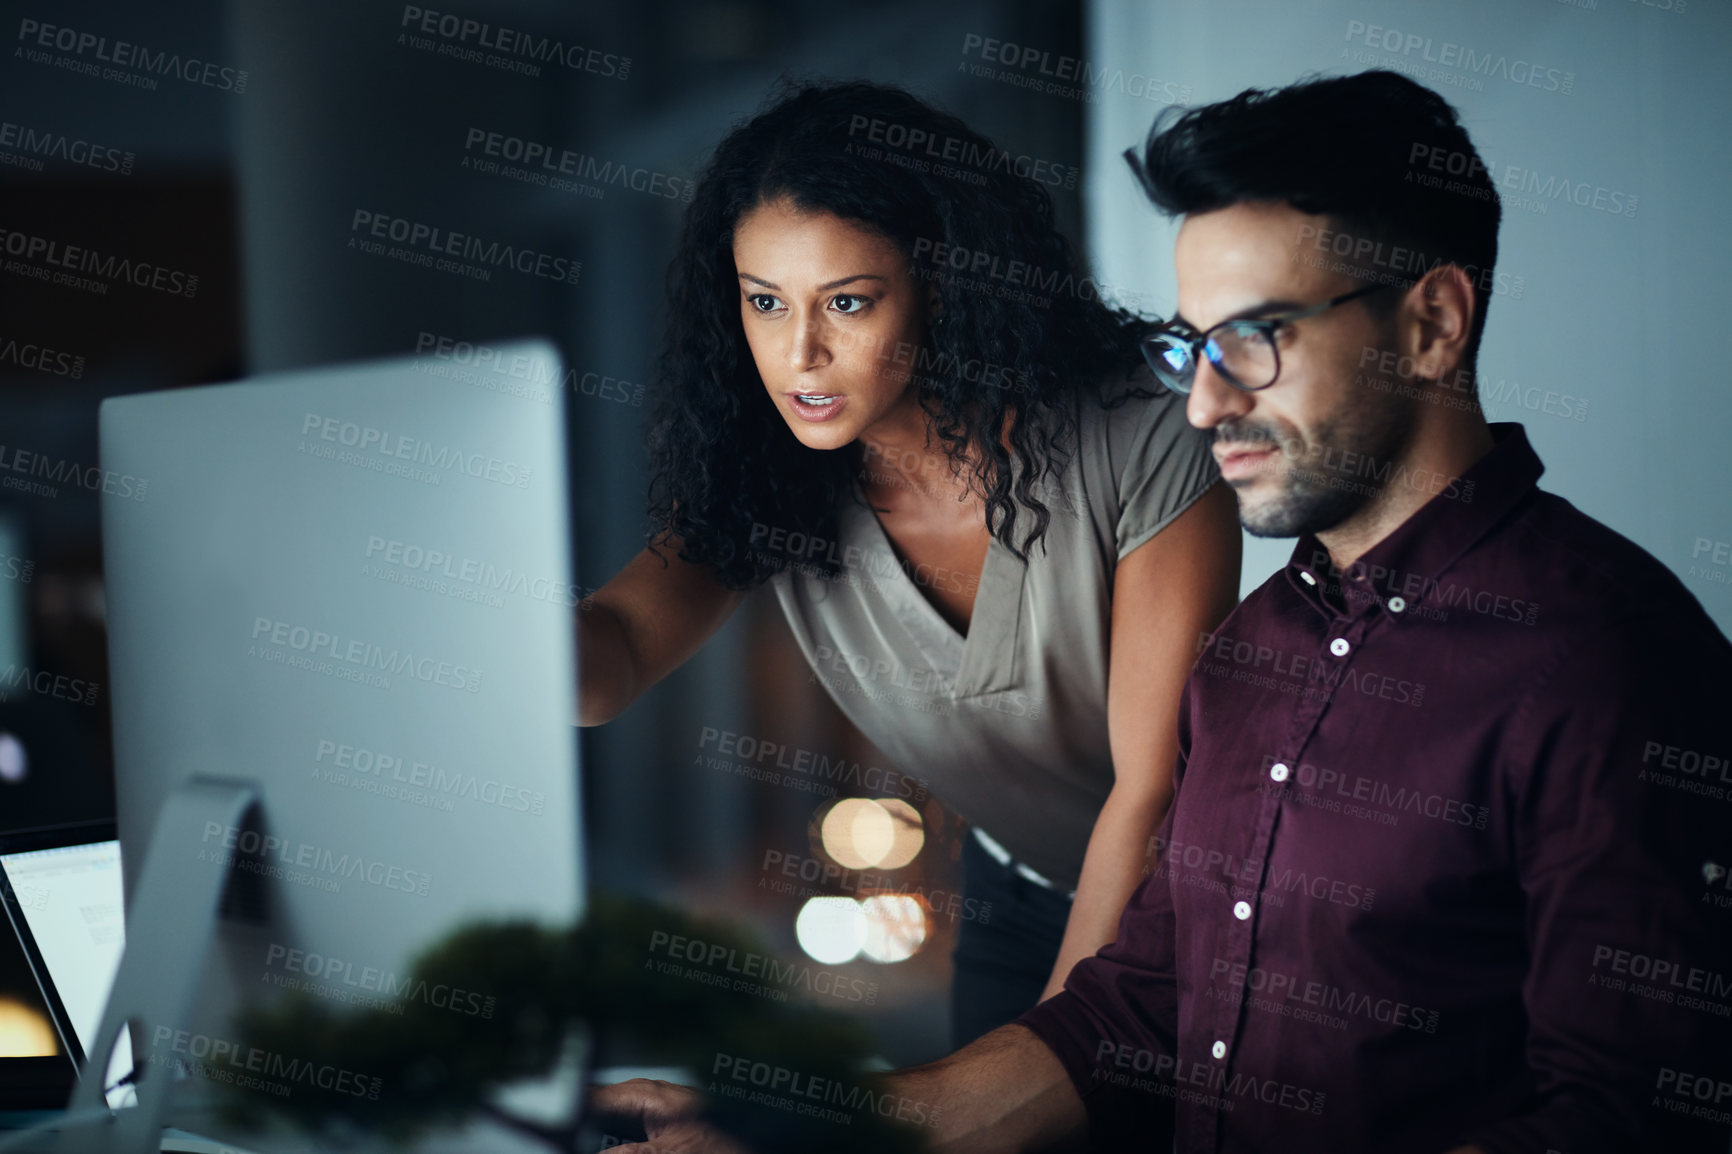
pixel 170 924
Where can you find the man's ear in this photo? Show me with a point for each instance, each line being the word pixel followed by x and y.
pixel 1442 305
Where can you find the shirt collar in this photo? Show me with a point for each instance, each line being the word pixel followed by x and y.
pixel 1402 569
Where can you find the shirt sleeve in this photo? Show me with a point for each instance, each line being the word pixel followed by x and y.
pixel 1161 463
pixel 1630 970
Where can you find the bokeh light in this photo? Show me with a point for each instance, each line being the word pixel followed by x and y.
pixel 895 927
pixel 910 835
pixel 831 930
pixel 13 762
pixel 857 833
pixel 25 1032
pixel 865 832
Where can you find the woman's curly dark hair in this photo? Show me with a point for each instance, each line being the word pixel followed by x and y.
pixel 724 463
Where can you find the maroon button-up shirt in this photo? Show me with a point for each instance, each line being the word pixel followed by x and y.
pixel 1448 861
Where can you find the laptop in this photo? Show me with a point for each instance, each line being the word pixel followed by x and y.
pixel 62 891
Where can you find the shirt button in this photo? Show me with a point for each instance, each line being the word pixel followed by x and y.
pixel 1242 910
pixel 1278 771
pixel 1397 604
pixel 1339 647
pixel 1307 578
pixel 1219 1049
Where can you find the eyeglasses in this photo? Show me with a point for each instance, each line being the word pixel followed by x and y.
pixel 1242 351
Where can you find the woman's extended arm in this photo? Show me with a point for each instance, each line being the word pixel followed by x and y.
pixel 641 626
pixel 1168 592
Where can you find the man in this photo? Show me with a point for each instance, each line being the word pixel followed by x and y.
pixel 1446 870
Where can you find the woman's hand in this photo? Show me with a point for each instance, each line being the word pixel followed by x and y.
pixel 667 1113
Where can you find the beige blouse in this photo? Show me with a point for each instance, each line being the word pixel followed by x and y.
pixel 1008 724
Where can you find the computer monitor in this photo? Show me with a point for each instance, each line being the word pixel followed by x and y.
pixel 341 654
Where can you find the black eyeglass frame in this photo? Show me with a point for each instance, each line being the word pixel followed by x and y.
pixel 1265 327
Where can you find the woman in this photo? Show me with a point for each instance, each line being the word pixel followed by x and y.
pixel 890 392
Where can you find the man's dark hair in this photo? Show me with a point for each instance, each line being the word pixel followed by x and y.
pixel 1384 158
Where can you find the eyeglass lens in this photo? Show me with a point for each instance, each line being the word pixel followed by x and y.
pixel 1243 354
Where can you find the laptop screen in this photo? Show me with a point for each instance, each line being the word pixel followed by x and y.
pixel 72 902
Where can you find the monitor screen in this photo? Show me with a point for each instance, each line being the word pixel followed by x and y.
pixel 349 588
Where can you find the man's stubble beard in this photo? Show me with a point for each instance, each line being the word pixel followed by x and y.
pixel 1316 495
